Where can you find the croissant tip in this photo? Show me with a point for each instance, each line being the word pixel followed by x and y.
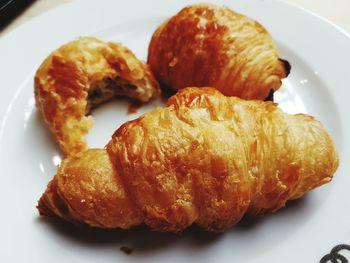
pixel 42 208
pixel 286 65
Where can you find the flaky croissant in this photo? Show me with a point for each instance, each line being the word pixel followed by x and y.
pixel 205 159
pixel 81 75
pixel 208 45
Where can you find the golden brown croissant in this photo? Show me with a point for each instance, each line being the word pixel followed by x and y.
pixel 208 45
pixel 81 75
pixel 205 159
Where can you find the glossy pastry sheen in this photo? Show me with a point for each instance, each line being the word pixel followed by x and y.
pixel 81 75
pixel 206 159
pixel 208 45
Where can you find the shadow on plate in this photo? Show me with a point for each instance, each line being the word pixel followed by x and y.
pixel 143 240
pixel 140 238
pixel 292 207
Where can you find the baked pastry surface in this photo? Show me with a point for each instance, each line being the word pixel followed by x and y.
pixel 209 45
pixel 79 76
pixel 205 159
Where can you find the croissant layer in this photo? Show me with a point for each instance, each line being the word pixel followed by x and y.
pixel 205 159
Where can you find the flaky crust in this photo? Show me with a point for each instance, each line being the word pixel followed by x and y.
pixel 205 159
pixel 87 189
pixel 209 45
pixel 63 81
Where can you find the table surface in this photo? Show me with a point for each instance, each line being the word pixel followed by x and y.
pixel 337 11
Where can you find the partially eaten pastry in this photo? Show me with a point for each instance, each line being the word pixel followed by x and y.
pixel 81 75
pixel 206 159
pixel 208 45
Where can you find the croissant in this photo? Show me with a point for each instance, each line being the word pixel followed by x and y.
pixel 79 76
pixel 205 159
pixel 208 45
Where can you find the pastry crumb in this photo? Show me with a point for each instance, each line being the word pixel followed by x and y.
pixel 134 106
pixel 126 250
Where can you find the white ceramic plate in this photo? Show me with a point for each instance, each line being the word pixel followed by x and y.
pixel 304 231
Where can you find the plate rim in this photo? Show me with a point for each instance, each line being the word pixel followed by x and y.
pixel 11 95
